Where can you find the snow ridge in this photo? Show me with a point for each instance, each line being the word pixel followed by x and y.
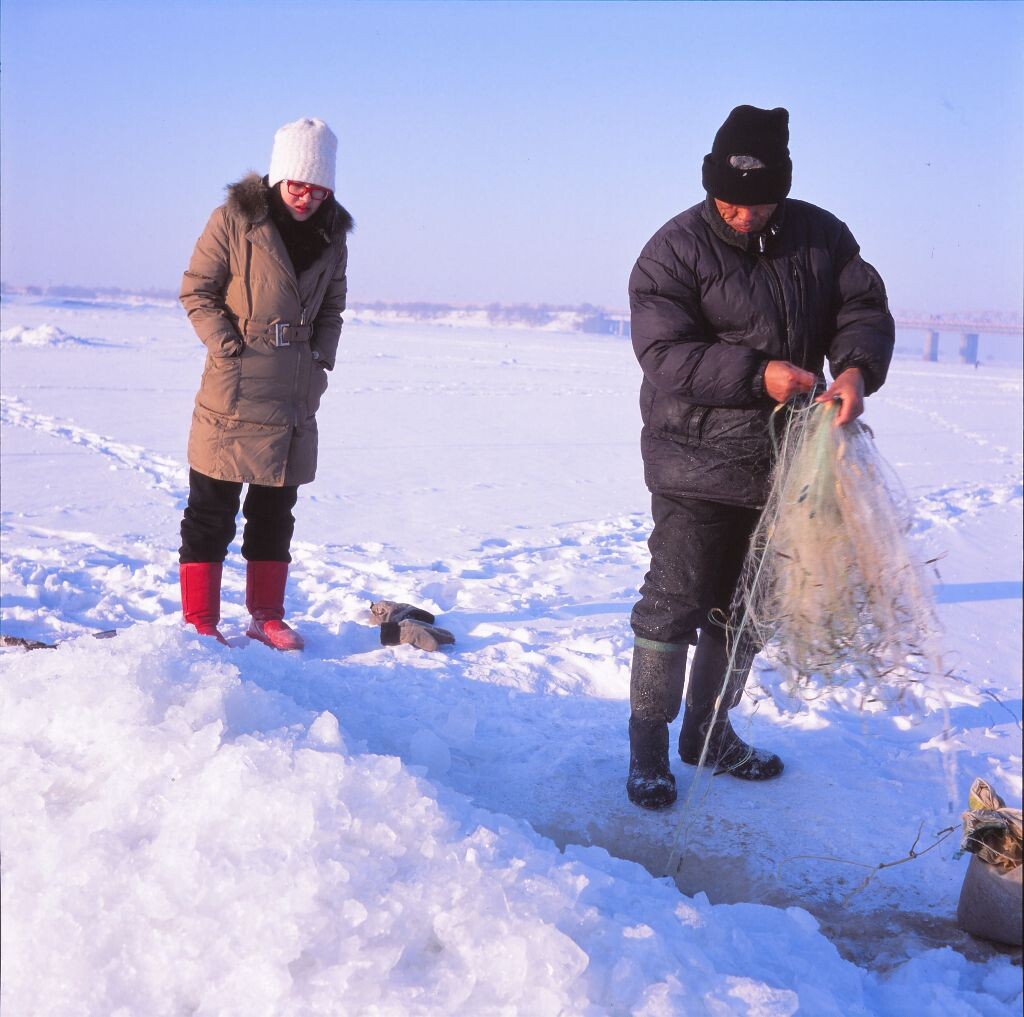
pixel 254 861
pixel 162 473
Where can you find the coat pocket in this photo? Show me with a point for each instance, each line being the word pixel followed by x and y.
pixel 317 388
pixel 270 384
pixel 219 387
pixel 683 422
pixel 696 424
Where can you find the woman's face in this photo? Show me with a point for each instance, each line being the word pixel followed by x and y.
pixel 298 198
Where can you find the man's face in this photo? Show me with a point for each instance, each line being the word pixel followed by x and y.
pixel 745 218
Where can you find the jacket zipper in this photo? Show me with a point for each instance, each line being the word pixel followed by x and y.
pixel 777 294
pixel 295 380
pixel 798 288
pixel 248 286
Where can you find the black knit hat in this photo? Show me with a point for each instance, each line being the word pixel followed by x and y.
pixel 749 162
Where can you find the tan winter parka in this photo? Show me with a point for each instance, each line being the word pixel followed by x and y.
pixel 270 339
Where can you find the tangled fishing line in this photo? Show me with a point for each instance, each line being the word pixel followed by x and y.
pixel 830 580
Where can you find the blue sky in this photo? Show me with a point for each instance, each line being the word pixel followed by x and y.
pixel 519 152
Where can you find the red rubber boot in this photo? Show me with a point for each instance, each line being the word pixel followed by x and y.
pixel 200 596
pixel 264 598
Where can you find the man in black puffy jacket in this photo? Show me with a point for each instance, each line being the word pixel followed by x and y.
pixel 736 304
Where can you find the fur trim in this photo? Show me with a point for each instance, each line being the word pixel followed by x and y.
pixel 343 222
pixel 247 198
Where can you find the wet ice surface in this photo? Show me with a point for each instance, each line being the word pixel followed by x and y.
pixel 190 828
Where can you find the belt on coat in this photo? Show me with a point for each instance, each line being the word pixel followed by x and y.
pixel 281 333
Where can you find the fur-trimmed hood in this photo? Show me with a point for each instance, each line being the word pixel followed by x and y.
pixel 248 199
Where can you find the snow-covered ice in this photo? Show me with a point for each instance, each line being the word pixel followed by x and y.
pixel 189 828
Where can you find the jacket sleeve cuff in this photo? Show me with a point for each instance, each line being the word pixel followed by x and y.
pixel 757 384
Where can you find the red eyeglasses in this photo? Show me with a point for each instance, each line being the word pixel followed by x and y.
pixel 296 188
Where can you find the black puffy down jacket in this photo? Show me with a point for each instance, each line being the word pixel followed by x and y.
pixel 710 307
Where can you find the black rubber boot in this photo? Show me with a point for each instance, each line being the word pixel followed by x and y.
pixel 650 783
pixel 726 752
pixel 655 694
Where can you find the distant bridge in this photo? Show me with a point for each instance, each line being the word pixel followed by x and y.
pixel 968 326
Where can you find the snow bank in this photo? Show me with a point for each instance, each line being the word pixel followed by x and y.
pixel 43 335
pixel 178 839
pixel 505 318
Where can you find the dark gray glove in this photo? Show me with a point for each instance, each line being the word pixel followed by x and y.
pixel 390 611
pixel 415 633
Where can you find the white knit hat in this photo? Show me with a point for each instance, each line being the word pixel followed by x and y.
pixel 304 150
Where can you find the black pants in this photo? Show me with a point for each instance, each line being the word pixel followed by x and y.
pixel 697 551
pixel 208 525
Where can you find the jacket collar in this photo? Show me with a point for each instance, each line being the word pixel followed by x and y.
pixel 248 199
pixel 753 243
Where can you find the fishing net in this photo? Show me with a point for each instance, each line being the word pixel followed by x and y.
pixel 831 584
pixel 831 579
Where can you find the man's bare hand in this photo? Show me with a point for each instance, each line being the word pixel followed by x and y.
pixel 783 380
pixel 848 388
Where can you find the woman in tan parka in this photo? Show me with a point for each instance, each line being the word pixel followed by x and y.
pixel 265 291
